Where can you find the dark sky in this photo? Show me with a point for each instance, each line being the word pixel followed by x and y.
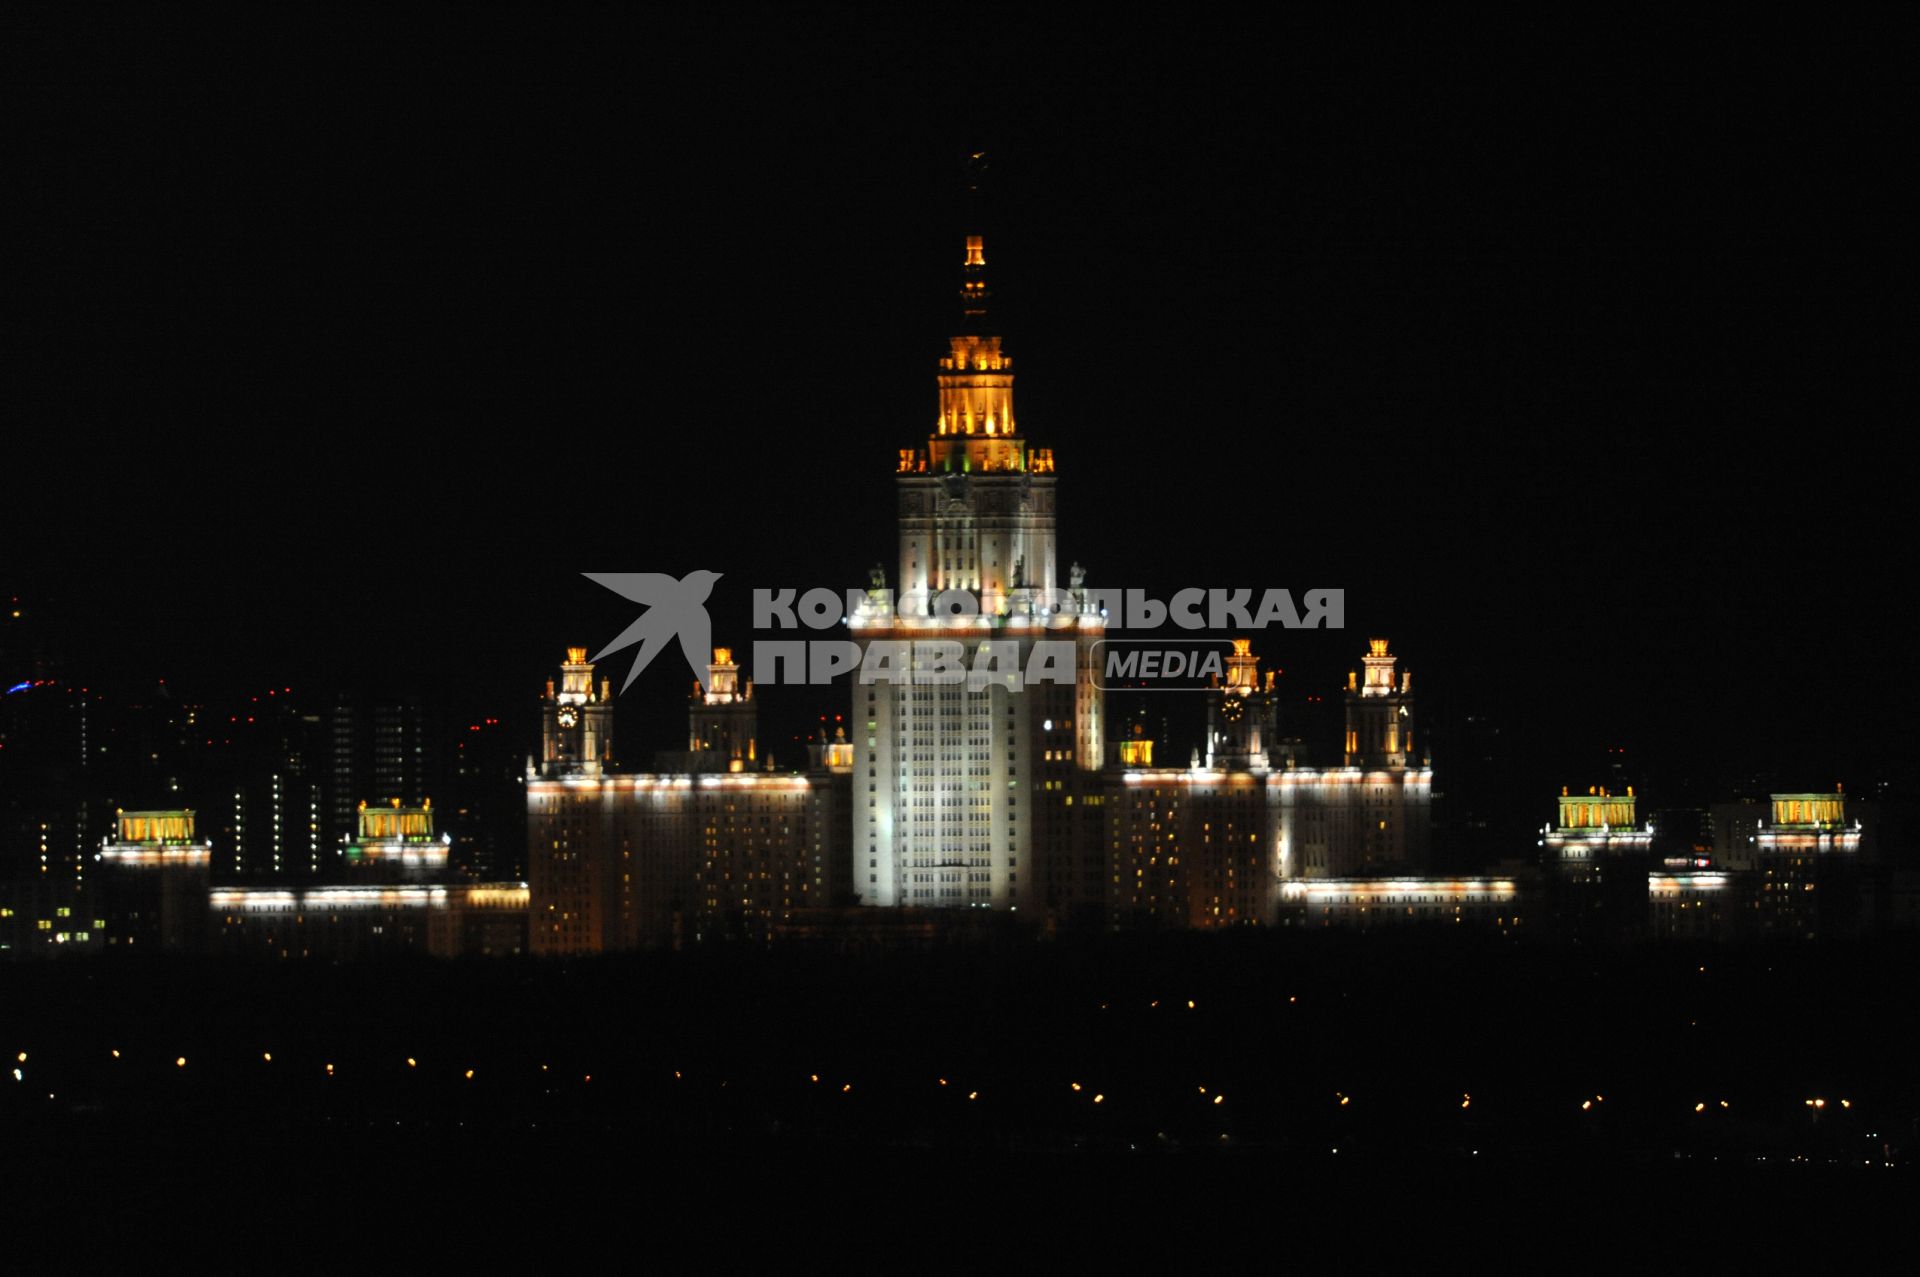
pixel 1570 350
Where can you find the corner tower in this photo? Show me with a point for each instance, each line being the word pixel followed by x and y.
pixel 1379 712
pixel 720 721
pixel 1242 723
pixel 576 721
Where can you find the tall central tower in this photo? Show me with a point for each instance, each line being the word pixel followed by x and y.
pixel 976 505
pixel 963 793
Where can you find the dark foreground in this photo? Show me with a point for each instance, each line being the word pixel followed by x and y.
pixel 1389 1089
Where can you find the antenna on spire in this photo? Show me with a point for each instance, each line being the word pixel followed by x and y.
pixel 974 179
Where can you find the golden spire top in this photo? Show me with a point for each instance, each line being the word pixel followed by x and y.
pixel 975 431
pixel 976 384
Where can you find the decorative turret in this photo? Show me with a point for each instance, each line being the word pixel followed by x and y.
pixel 1379 712
pixel 576 735
pixel 1242 723
pixel 722 719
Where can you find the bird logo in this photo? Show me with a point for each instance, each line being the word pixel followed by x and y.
pixel 674 608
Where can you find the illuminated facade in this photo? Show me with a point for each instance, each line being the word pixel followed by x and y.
pixel 352 923
pixel 1371 817
pixel 1594 827
pixel 157 874
pixel 1603 880
pixel 1805 867
pixel 402 897
pixel 1374 816
pixel 964 791
pixel 1496 902
pixel 1691 903
pixel 1188 850
pixel 644 860
pixel 403 900
pixel 1790 875
pixel 1224 842
pixel 397 844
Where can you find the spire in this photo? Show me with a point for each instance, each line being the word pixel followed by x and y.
pixel 976 379
pixel 973 288
pixel 973 268
pixel 975 431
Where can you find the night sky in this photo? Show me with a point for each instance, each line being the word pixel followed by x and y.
pixel 1569 351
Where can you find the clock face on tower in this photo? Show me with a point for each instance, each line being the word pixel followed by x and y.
pixel 1231 708
pixel 569 716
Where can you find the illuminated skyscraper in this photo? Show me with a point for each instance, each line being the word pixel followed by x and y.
pixel 961 790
